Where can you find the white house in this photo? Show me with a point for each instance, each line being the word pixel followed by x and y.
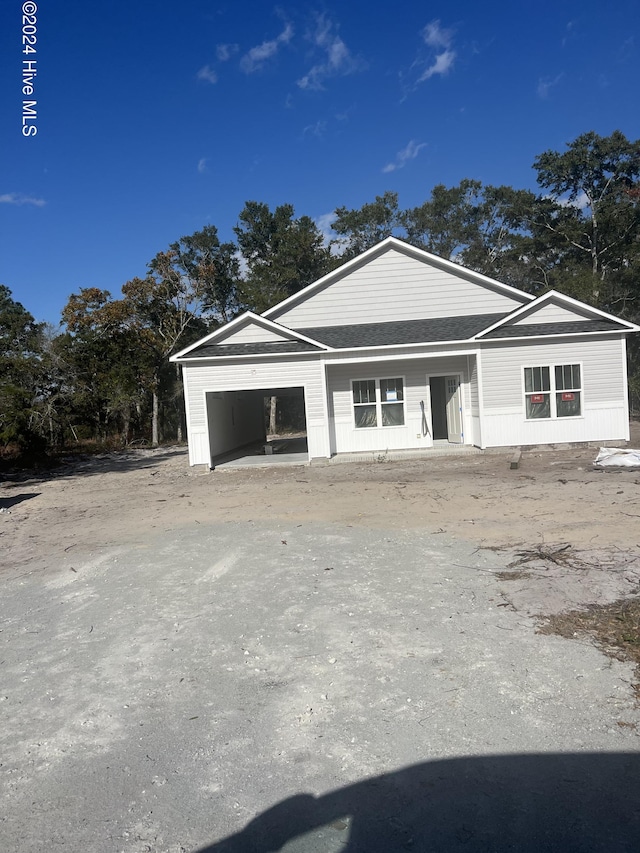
pixel 399 349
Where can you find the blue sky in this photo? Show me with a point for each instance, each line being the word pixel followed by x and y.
pixel 156 118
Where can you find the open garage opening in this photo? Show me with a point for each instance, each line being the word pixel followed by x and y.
pixel 257 426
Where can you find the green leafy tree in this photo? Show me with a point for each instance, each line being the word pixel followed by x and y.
pixel 155 316
pixel 21 375
pixel 445 223
pixel 212 269
pixel 591 214
pixel 482 227
pixel 362 228
pixel 282 254
pixel 98 380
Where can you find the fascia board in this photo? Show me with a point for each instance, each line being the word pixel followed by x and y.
pixel 359 356
pixel 609 333
pixel 215 359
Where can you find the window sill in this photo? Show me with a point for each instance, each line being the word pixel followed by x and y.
pixel 371 429
pixel 544 420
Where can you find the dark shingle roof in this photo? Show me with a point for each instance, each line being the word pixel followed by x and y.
pixel 402 332
pixel 217 350
pixel 569 328
pixel 364 335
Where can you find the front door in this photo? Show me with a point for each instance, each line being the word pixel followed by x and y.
pixel 454 409
pixel 446 408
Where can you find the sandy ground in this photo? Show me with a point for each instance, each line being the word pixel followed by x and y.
pixel 556 496
pixel 314 659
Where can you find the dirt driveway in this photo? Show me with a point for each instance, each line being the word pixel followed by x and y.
pixel 186 656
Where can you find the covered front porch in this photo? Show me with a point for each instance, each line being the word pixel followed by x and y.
pixel 397 405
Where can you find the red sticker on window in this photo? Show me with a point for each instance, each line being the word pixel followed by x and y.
pixel 568 397
pixel 537 398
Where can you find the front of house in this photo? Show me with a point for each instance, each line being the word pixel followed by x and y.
pixel 400 350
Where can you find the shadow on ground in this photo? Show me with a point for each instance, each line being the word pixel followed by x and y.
pixel 525 803
pixel 7 503
pixel 88 465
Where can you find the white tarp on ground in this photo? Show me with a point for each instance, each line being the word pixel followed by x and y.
pixel 617 457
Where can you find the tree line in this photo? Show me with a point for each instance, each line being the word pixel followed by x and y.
pixel 104 375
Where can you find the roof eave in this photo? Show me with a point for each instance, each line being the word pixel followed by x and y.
pixel 538 337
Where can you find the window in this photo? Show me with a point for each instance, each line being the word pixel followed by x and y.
pixel 364 403
pixel 553 392
pixel 568 390
pixel 378 402
pixel 536 390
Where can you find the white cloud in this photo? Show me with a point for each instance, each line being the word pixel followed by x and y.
pixel 318 129
pixel 442 55
pixel 580 202
pixel 410 152
pixel 324 223
pixel 242 264
pixel 207 73
pixel 255 59
pixel 441 65
pixel 224 52
pixel 19 199
pixel 435 36
pixel 202 165
pixel 545 84
pixel 337 59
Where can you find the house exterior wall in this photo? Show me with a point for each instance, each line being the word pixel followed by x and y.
pixel 395 286
pixel 474 401
pixel 604 416
pixel 549 313
pixel 252 333
pixel 345 437
pixel 253 374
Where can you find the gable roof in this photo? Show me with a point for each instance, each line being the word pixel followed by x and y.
pixel 552 314
pixel 277 339
pixel 578 317
pixel 371 254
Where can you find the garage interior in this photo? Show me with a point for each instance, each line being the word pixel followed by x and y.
pixel 248 428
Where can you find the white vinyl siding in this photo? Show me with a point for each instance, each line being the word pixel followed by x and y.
pixel 603 392
pixel 550 313
pixel 252 333
pixel 473 386
pixel 254 374
pixel 393 287
pixel 346 437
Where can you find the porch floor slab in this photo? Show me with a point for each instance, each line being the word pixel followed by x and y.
pixel 444 449
pixel 265 461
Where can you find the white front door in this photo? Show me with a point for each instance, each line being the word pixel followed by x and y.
pixel 454 409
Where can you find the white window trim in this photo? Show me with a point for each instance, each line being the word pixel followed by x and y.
pixel 378 403
pixel 553 391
